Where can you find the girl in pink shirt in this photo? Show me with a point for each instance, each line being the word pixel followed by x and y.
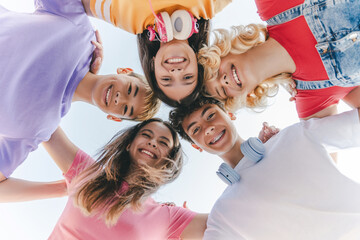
pixel 110 198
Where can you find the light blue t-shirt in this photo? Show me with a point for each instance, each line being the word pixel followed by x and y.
pixel 43 57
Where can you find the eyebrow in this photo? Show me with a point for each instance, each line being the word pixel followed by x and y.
pixel 202 114
pixel 163 137
pixel 136 91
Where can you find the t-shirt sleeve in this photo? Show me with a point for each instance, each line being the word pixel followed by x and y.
pixel 179 219
pixel 13 152
pixel 73 10
pixel 335 132
pixel 81 161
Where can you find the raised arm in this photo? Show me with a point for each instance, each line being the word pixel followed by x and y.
pixel 61 149
pixel 18 190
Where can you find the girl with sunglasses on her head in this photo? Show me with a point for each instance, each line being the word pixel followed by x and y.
pixel 315 43
pixel 170 34
pixel 110 198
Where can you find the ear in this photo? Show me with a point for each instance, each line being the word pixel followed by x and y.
pixel 110 117
pixel 124 70
pixel 232 116
pixel 128 147
pixel 196 147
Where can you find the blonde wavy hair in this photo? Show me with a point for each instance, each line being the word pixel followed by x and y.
pixel 152 103
pixel 99 189
pixel 239 40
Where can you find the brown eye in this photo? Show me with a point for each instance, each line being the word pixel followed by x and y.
pixel 196 130
pixel 210 116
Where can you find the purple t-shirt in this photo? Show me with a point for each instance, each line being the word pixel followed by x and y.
pixel 43 57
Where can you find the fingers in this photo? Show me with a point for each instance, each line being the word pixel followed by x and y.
pixel 95 66
pixel 98 54
pixel 98 38
pixel 185 204
pixel 267 132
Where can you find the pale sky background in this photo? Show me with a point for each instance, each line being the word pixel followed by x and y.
pixel 88 128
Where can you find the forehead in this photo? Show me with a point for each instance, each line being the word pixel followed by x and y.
pixel 158 129
pixel 198 114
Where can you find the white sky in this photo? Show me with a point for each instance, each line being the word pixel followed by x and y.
pixel 87 127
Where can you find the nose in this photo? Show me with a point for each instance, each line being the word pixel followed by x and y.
pixel 176 70
pixel 224 80
pixel 118 99
pixel 209 130
pixel 152 143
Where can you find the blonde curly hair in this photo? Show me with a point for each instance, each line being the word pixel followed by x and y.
pixel 239 40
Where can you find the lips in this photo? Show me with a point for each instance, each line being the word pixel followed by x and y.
pixel 107 95
pixel 148 153
pixel 218 137
pixel 175 60
pixel 235 76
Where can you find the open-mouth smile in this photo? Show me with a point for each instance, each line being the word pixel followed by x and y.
pixel 217 138
pixel 175 60
pixel 108 95
pixel 235 76
pixel 148 153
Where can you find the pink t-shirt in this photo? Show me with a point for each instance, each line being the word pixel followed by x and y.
pixel 296 37
pixel 155 222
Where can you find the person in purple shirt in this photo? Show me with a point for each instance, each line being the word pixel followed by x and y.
pixel 45 60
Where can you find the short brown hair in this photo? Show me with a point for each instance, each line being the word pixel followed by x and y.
pixel 152 103
pixel 177 115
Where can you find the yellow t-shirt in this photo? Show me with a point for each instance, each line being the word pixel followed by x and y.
pixel 135 15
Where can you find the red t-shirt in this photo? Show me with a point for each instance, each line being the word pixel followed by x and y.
pixel 296 37
pixel 155 222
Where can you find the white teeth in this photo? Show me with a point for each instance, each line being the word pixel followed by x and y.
pixel 217 137
pixel 175 60
pixel 237 80
pixel 147 153
pixel 107 96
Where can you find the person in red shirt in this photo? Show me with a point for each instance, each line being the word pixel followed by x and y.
pixel 316 44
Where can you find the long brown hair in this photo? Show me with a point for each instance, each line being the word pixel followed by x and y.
pixel 116 182
pixel 148 49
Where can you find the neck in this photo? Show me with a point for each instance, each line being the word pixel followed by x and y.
pixel 234 155
pixel 267 60
pixel 83 91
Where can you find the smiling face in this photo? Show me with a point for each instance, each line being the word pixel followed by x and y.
pixel 152 143
pixel 232 80
pixel 119 95
pixel 176 69
pixel 211 129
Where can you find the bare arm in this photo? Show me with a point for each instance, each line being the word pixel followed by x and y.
pixel 61 149
pixel 18 190
pixel 196 228
pixel 353 98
